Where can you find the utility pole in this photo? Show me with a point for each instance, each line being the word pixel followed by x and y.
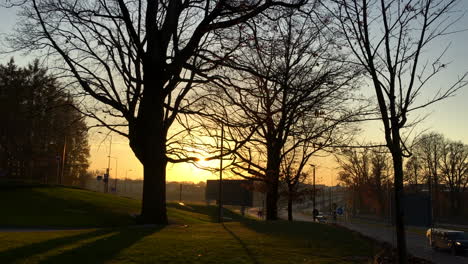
pixel 180 193
pixel 116 176
pixel 57 158
pixel 330 194
pixel 220 187
pixel 106 176
pixel 63 159
pixel 314 192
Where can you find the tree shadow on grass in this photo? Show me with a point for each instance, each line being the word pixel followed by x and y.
pixel 57 207
pixel 297 229
pixel 94 252
pixel 323 240
pixel 11 255
pixel 243 245
pixel 104 249
pixel 209 210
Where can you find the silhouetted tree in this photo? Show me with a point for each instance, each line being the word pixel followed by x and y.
pixel 413 172
pixel 427 150
pixel 454 168
pixel 293 164
pixel 283 89
pixel 388 39
pixel 40 121
pixel 366 172
pixel 138 60
pixel 444 165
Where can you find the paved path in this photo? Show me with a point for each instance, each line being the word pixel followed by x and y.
pixel 417 243
pixel 52 229
pixel 41 229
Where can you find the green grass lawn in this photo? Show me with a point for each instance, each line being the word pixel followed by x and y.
pixel 193 236
pixel 63 207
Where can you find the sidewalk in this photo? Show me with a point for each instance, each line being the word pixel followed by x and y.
pixel 416 240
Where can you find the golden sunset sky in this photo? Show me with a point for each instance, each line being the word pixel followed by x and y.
pixel 449 117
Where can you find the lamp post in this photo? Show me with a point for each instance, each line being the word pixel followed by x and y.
pixel 106 176
pixel 115 174
pixel 57 158
pixel 220 187
pixel 313 197
pixel 63 159
pixel 330 197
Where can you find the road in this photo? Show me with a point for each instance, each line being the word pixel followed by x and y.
pixel 416 242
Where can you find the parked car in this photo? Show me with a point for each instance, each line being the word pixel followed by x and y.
pixel 453 240
pixel 321 219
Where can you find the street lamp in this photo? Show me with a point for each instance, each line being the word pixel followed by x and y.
pixel 330 198
pixel 220 187
pixel 106 176
pixel 115 176
pixel 63 158
pixel 313 197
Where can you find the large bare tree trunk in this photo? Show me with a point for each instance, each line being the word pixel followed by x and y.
pixel 148 141
pixel 272 199
pixel 272 180
pixel 152 156
pixel 399 209
pixel 153 209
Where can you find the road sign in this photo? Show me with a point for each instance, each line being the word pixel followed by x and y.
pixel 340 211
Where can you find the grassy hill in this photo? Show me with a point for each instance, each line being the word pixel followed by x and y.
pixel 63 207
pixel 193 236
pixel 49 206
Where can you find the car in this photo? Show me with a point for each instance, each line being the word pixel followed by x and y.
pixel 453 240
pixel 321 219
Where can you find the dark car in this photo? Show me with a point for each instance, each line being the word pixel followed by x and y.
pixel 321 219
pixel 455 241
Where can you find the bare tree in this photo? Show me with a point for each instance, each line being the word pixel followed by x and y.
pixel 292 178
pixel 136 59
pixel 444 165
pixel 413 171
pixel 388 39
pixel 380 166
pixel 293 164
pixel 427 150
pixel 365 172
pixel 454 168
pixel 288 87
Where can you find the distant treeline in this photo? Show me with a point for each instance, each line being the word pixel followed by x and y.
pixel 437 168
pixel 175 191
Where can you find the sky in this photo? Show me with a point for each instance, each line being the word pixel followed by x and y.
pixel 449 117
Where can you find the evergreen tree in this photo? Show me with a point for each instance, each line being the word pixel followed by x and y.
pixel 43 137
